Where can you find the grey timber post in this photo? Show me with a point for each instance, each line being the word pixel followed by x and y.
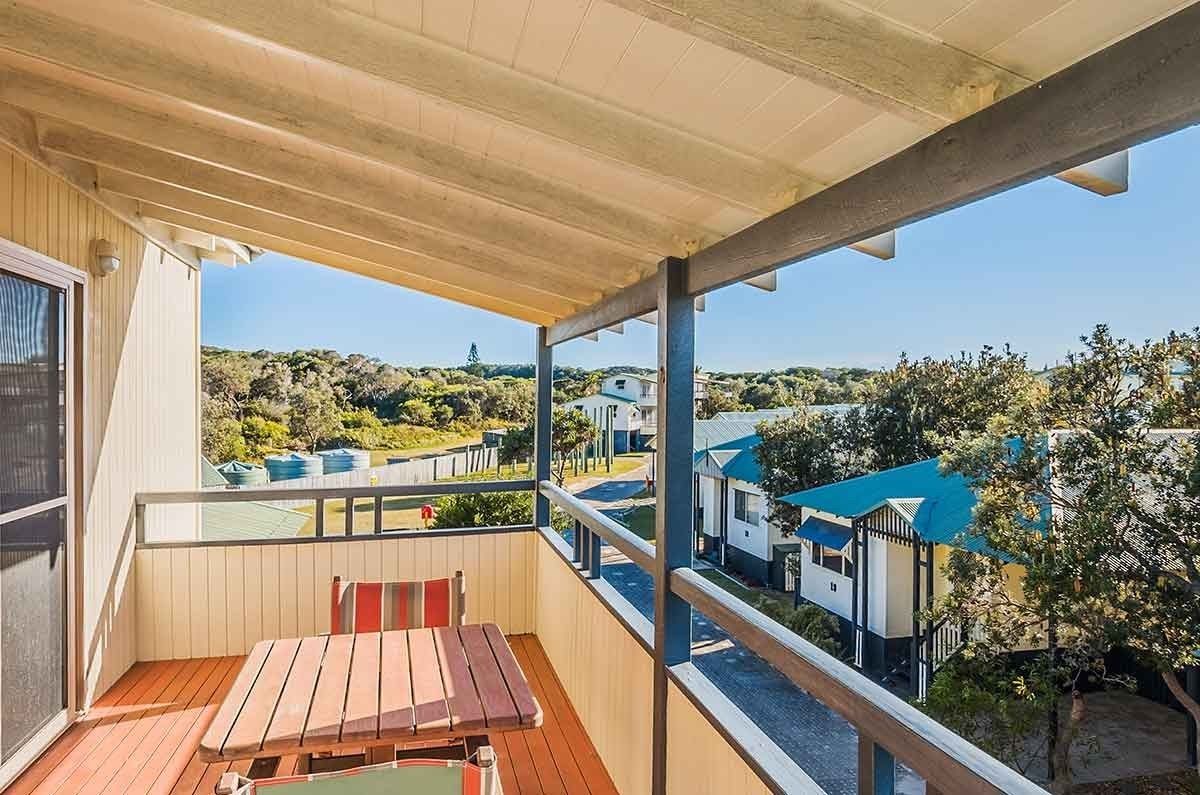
pixel 673 493
pixel 543 395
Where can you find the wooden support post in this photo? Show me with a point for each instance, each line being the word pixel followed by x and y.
pixel 929 661
pixel 577 543
pixel 319 512
pixel 673 494
pixel 585 549
pixel 914 661
pixel 855 579
pixel 544 396
pixel 865 578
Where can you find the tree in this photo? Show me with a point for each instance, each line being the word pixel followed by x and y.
pixel 917 408
pixel 571 430
pixel 809 449
pixel 264 436
pixel 490 510
pixel 227 379
pixel 1103 519
pixel 220 432
pixel 315 413
pixel 473 354
pixel 716 401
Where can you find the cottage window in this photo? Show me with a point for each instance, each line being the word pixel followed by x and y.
pixel 745 506
pixel 832 559
pixel 620 383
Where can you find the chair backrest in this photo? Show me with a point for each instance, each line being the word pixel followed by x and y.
pixel 358 606
pixel 425 776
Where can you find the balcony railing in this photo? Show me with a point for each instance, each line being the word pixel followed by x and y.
pixel 207 598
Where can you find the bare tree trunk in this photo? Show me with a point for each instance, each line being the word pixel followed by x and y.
pixel 1189 703
pixel 1062 746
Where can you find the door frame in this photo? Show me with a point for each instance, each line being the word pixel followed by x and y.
pixel 25 262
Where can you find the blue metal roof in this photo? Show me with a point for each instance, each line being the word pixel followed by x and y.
pixel 826 533
pixel 744 466
pixel 861 495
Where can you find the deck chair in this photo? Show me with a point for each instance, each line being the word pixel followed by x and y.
pixel 409 777
pixel 376 606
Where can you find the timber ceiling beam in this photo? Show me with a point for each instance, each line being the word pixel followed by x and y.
pixel 575 284
pixel 430 268
pixel 18 132
pixel 846 49
pixel 1139 88
pixel 507 229
pixel 88 51
pixel 348 39
pixel 477 298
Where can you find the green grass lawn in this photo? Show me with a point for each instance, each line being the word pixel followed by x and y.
pixel 747 594
pixel 641 521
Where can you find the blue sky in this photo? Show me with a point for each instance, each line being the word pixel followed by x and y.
pixel 1036 266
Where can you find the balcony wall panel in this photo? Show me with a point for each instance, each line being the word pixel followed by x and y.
pixel 141 406
pixel 692 739
pixel 201 601
pixel 604 669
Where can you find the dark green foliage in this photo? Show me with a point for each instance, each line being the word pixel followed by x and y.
pixel 810 449
pixel 490 510
pixel 813 623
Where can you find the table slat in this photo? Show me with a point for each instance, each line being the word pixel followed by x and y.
pixel 429 697
pixel 246 736
pixel 361 721
pixel 325 717
pixel 287 727
pixel 498 706
pixel 466 713
pixel 395 687
pixel 528 709
pixel 218 730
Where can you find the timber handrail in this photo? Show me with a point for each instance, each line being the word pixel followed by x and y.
pixel 272 494
pixel 617 535
pixel 948 762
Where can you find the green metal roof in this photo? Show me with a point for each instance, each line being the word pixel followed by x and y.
pixel 610 396
pixel 243 521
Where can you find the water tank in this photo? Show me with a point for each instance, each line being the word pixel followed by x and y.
pixel 240 473
pixel 292 465
pixel 344 459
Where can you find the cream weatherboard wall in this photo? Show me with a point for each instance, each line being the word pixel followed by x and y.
pixel 215 600
pixel 141 409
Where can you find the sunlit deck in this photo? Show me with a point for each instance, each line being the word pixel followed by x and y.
pixel 143 734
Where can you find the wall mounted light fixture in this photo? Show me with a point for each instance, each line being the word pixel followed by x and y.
pixel 108 259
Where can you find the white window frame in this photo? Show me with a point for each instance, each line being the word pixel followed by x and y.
pixel 744 513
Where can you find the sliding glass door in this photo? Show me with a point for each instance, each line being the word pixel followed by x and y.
pixel 37 438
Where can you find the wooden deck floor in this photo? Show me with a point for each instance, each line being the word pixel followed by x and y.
pixel 142 735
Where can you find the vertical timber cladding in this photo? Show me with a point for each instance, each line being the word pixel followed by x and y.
pixel 141 398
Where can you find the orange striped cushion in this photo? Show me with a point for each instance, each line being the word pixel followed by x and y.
pixel 376 606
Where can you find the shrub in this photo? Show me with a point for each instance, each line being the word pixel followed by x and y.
pixel 808 621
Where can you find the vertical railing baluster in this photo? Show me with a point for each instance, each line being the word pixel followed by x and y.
pixel 320 514
pixel 378 514
pixel 594 557
pixel 585 549
pixel 876 768
pixel 139 512
pixel 349 516
pixel 577 543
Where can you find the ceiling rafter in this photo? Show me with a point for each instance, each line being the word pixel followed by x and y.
pixel 508 229
pixel 561 279
pixel 311 252
pixel 445 271
pixel 18 132
pixel 90 52
pixel 847 49
pixel 345 38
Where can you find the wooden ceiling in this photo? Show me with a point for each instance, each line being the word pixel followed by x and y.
pixel 529 157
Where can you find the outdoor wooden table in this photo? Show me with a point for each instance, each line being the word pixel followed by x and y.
pixel 372 690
